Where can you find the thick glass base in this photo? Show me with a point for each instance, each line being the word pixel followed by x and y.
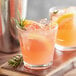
pixel 37 66
pixel 62 48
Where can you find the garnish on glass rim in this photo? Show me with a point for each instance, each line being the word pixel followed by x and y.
pixel 15 61
pixel 55 11
pixel 19 21
pixel 30 24
pixel 24 23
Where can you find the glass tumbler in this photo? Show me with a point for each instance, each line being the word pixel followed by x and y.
pixel 66 35
pixel 37 46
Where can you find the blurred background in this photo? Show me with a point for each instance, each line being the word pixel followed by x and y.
pixel 29 9
pixel 37 9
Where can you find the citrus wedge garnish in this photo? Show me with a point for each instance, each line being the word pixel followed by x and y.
pixel 26 23
pixel 65 21
pixel 30 24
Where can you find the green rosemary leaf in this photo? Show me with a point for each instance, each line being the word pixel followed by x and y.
pixel 18 13
pixel 15 61
pixel 55 11
pixel 19 22
pixel 16 21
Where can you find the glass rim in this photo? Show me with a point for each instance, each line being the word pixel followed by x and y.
pixel 52 28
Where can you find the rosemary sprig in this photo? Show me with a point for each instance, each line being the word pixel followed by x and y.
pixel 15 61
pixel 19 21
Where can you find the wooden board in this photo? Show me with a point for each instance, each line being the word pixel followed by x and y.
pixel 63 63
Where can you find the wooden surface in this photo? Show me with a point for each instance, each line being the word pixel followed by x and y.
pixel 5 57
pixel 63 63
